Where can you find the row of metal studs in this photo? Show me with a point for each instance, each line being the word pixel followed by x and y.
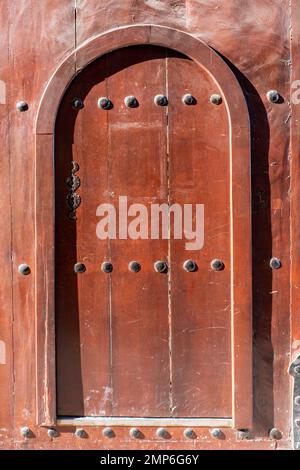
pixel 159 266
pixel 161 433
pixel 273 97
pixel 132 102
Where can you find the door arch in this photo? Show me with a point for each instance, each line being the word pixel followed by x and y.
pixel 238 193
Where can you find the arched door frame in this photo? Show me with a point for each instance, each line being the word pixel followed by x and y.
pixel 241 289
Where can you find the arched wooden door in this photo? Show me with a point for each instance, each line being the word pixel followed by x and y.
pixel 138 343
pixel 142 344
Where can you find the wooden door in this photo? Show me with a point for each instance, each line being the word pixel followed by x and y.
pixel 143 344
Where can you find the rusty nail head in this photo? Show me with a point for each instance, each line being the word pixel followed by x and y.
pixel 217 265
pixel 22 106
pixel 275 263
pixel 216 99
pixel 188 99
pixel 108 432
pixel 26 431
pixel 77 104
pixel 189 266
pixel 161 100
pixel 160 266
pixel 135 433
pixel 162 433
pixel 217 433
pixel 107 267
pixel 79 268
pixel 275 434
pixel 24 269
pixel 134 266
pixel 131 102
pixel 80 433
pixel 104 103
pixel 189 433
pixel 273 96
pixel 52 433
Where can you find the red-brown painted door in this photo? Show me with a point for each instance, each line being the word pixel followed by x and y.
pixel 143 344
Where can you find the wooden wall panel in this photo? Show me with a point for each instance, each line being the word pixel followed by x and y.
pixel 51 26
pixel 254 35
pixel 6 355
pixel 295 179
pixel 232 28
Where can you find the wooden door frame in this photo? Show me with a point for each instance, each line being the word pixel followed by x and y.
pixel 240 200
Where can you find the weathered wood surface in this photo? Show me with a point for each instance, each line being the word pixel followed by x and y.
pixel 6 349
pixel 255 37
pixel 120 312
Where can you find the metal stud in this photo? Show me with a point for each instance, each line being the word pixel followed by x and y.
pixel 131 102
pixel 53 433
pixel 79 268
pixel 217 265
pixel 26 432
pixel 108 432
pixel 188 99
pixel 160 266
pixel 216 99
pixel 189 434
pixel 217 433
pixel 80 433
pixel 104 103
pixel 243 434
pixel 297 400
pixel 24 269
pixel 161 100
pixel 134 266
pixel 275 434
pixel 107 267
pixel 275 263
pixel 189 266
pixel 273 96
pixel 77 104
pixel 22 106
pixel 162 433
pixel 135 433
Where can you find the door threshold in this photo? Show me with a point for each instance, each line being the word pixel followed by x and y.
pixel 132 421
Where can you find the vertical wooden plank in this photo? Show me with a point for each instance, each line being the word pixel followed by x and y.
pixel 6 353
pixel 82 311
pixel 267 68
pixel 137 153
pixel 45 322
pixel 31 66
pixel 200 300
pixel 295 177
